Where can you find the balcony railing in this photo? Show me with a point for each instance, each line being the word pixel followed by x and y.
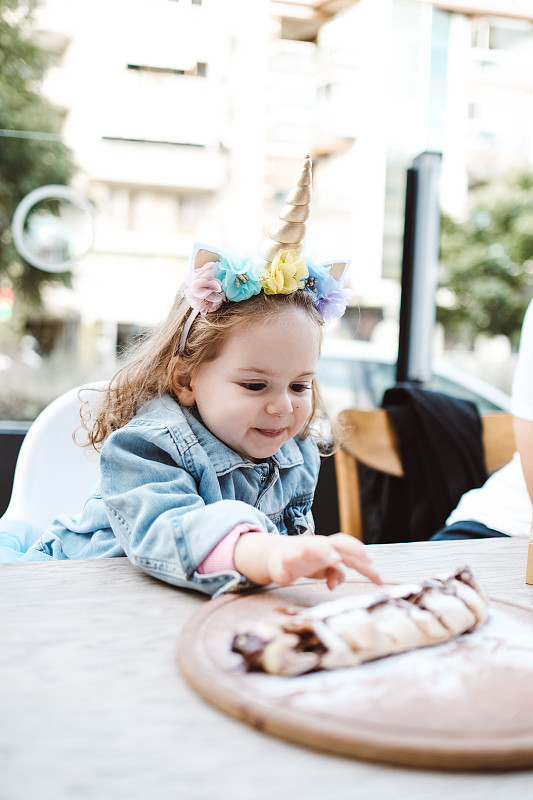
pixel 143 163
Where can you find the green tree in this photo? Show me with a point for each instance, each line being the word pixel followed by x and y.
pixel 26 161
pixel 487 262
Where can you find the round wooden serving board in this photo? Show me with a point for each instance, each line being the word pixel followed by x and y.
pixel 465 704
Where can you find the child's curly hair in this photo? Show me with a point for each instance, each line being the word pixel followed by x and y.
pixel 157 367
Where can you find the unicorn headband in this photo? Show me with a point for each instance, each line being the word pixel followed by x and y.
pixel 219 276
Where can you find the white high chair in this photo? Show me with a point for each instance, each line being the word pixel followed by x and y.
pixel 53 474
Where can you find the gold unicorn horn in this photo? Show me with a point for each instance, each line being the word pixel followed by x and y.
pixel 289 231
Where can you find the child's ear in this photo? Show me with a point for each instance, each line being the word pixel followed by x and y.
pixel 185 395
pixel 181 384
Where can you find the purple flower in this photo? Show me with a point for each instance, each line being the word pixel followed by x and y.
pixel 333 304
pixel 203 290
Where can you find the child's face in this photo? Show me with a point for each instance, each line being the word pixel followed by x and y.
pixel 257 394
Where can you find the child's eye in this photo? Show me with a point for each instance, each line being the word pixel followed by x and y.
pixel 300 387
pixel 254 387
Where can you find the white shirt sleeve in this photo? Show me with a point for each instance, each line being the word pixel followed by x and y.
pixel 522 393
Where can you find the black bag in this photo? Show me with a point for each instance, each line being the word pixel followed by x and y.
pixel 441 448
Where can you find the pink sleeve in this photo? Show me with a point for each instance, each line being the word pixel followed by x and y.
pixel 220 557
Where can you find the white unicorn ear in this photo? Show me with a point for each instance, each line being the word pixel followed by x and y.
pixel 338 270
pixel 202 254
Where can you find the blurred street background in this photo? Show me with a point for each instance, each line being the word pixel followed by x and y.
pixel 186 120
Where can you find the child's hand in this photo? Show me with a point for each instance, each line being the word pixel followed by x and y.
pixel 266 558
pixel 319 557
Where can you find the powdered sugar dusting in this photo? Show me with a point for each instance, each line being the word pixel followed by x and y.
pixel 489 670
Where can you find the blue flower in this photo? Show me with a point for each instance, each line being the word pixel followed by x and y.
pixel 319 279
pixel 328 294
pixel 239 274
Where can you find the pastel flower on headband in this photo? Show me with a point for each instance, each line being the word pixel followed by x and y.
pixel 319 278
pixel 217 276
pixel 203 291
pixel 238 274
pixel 327 292
pixel 285 274
pixel 333 304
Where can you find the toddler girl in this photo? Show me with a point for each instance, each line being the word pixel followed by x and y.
pixel 208 465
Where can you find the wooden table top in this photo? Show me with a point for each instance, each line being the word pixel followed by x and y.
pixel 93 705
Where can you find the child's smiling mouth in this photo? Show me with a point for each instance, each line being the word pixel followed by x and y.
pixel 271 432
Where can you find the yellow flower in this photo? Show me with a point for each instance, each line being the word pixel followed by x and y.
pixel 285 274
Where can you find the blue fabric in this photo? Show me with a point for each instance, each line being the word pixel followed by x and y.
pixel 170 491
pixel 466 530
pixel 15 540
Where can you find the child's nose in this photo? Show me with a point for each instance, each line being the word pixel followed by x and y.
pixel 279 404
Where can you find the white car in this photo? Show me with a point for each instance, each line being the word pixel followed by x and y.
pixel 355 374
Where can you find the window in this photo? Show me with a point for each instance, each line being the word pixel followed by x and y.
pixel 493 33
pixel 510 35
pixel 192 209
pixel 164 70
pixel 199 70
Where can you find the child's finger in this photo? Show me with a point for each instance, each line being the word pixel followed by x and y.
pixel 334 576
pixel 368 572
pixel 355 555
pixel 349 545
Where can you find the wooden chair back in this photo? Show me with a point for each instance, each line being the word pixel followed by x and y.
pixel 369 438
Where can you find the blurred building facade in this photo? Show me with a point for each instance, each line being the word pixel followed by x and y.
pixel 189 118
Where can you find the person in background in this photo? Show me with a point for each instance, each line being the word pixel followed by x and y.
pixel 522 408
pixel 503 505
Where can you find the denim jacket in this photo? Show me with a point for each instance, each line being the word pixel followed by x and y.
pixel 170 491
